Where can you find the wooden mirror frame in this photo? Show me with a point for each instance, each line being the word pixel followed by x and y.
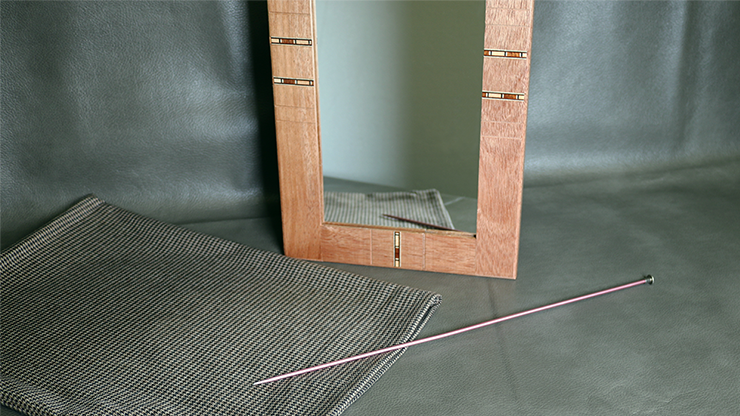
pixel 493 250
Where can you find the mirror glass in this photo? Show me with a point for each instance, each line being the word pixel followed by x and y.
pixel 400 100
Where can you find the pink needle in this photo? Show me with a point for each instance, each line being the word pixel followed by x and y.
pixel 648 279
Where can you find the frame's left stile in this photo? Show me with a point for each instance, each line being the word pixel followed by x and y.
pixel 295 89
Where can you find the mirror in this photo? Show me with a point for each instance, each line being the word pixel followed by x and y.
pixel 493 249
pixel 411 148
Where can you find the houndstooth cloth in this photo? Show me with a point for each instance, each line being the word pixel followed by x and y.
pixel 368 209
pixel 107 312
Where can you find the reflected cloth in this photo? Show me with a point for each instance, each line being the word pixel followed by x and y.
pixel 109 312
pixel 368 209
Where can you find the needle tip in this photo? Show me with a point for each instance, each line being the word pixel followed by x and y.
pixel 649 279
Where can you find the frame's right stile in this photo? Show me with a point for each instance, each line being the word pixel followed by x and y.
pixel 507 50
pixel 493 250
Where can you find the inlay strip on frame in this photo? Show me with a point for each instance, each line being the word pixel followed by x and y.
pixel 503 95
pixel 496 53
pixel 291 41
pixel 293 81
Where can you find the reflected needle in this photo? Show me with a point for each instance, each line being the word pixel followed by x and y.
pixel 647 279
pixel 439 227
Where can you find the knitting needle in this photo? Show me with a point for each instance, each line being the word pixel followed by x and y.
pixel 426 224
pixel 647 279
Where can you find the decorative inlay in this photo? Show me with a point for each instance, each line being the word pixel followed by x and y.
pixel 497 53
pixel 294 81
pixel 397 249
pixel 291 41
pixel 503 95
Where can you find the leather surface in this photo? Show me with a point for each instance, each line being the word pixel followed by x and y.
pixel 632 167
pixel 164 108
pixel 631 86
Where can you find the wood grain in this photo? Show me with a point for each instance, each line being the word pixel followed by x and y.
pixel 450 253
pixel 294 96
pixel 499 195
pixel 513 38
pixel 502 129
pixel 290 25
pixel 413 250
pixel 505 75
pixel 507 17
pixel 299 114
pixel 351 245
pixel 508 4
pixel 292 61
pixel 503 111
pixel 300 192
pixel 289 6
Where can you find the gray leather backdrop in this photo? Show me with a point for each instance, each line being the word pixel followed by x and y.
pixel 632 87
pixel 633 167
pixel 164 108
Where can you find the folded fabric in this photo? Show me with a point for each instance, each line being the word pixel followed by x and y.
pixel 108 312
pixel 368 209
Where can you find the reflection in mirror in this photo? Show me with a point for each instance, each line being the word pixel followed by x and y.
pixel 400 109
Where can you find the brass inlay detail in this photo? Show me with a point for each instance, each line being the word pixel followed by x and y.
pixel 499 53
pixel 516 96
pixel 291 41
pixel 294 81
